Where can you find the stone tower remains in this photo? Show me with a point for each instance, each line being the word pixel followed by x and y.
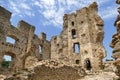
pixel 80 42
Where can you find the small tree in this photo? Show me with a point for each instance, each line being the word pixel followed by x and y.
pixel 5 64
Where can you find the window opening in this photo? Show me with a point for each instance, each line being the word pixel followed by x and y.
pixel 10 40
pixel 6 61
pixel 76 48
pixel 77 61
pixel 74 34
pixel 88 64
pixel 72 23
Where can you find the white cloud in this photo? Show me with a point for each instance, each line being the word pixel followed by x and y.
pixel 25 6
pixel 14 8
pixel 100 2
pixel 53 10
pixel 20 8
pixel 48 2
pixel 21 15
pixel 37 3
pixel 108 12
pixel 12 4
pixel 30 14
pixel 50 11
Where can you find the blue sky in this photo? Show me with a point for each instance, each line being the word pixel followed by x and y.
pixel 47 15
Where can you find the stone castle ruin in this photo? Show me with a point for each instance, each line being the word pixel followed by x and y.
pixel 86 33
pixel 75 54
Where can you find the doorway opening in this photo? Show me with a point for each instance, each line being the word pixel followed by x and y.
pixel 88 64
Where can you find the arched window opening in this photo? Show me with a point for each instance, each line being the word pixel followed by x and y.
pixel 76 48
pixel 88 64
pixel 6 61
pixel 10 40
pixel 74 34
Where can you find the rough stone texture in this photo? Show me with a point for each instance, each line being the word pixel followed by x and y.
pixel 49 70
pixel 109 66
pixel 35 58
pixel 116 40
pixel 87 31
pixel 118 1
pixel 115 44
pixel 26 42
pixel 2 77
pixel 89 34
pixel 30 61
pixel 55 70
pixel 101 76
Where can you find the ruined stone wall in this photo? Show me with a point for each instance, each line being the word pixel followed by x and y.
pixel 59 44
pixel 46 50
pixel 62 73
pixel 84 28
pixel 116 39
pixel 115 43
pixel 26 42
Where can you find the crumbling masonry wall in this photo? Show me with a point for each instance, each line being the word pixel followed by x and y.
pixel 115 43
pixel 26 42
pixel 75 54
pixel 80 42
pixel 84 29
pixel 116 39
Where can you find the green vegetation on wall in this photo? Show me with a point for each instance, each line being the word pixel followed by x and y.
pixel 5 64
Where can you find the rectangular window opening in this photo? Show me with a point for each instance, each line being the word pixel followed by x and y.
pixel 76 48
pixel 77 61
pixel 72 23
pixel 74 34
pixel 10 40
